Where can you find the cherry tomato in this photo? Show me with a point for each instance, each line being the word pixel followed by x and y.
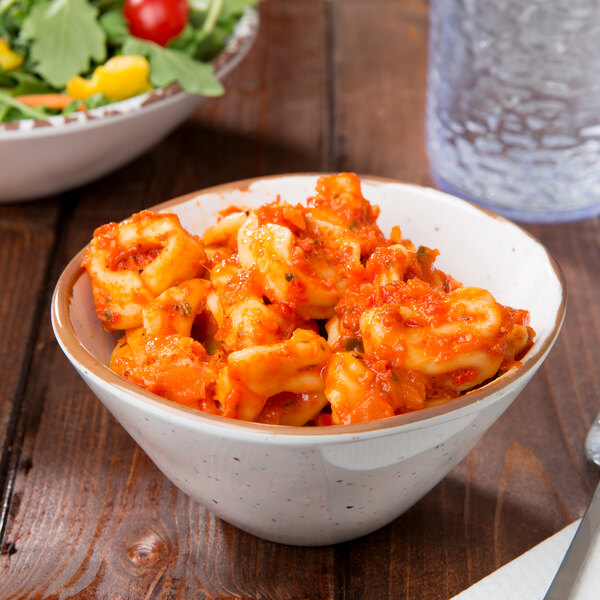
pixel 156 20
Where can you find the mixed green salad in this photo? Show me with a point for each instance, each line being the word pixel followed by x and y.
pixel 60 56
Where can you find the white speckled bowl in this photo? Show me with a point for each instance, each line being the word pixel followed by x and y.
pixel 39 158
pixel 312 486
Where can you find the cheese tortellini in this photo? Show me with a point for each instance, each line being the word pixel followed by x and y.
pixel 292 314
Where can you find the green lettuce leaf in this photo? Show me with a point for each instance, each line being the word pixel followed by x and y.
pixel 171 66
pixel 234 8
pixel 20 82
pixel 65 37
pixel 115 26
pixel 27 111
pixel 95 101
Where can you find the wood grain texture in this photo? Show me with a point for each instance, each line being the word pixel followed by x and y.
pixel 275 116
pixel 380 63
pixel 27 235
pixel 330 84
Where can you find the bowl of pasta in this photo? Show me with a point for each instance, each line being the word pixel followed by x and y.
pixel 308 355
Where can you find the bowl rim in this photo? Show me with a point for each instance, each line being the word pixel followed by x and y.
pixel 236 48
pixel 92 366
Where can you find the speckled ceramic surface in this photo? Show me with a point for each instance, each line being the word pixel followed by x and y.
pixel 39 158
pixel 313 486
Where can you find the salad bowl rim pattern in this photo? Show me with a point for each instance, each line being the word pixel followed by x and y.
pixel 233 52
pixel 104 377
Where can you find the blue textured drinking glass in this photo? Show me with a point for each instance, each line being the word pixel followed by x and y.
pixel 513 105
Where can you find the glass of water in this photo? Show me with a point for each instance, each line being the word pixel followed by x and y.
pixel 513 105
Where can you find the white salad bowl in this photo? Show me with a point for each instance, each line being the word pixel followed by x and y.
pixel 39 158
pixel 311 485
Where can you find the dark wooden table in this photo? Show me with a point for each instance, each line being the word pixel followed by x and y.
pixel 330 85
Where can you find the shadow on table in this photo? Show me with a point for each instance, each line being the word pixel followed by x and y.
pixel 412 551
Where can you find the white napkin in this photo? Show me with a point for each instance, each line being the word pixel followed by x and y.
pixel 529 576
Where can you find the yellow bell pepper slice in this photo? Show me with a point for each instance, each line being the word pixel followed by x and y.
pixel 121 77
pixel 8 59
